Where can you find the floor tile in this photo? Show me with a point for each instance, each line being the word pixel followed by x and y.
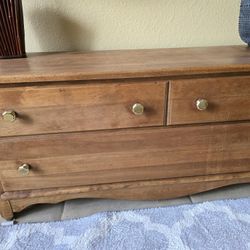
pixel 2 219
pixel 41 213
pixel 84 207
pixel 232 192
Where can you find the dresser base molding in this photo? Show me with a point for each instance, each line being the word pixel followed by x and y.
pixel 12 202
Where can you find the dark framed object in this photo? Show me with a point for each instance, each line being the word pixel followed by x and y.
pixel 244 23
pixel 12 38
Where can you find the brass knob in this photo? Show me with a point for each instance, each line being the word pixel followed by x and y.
pixel 9 116
pixel 201 104
pixel 138 109
pixel 24 169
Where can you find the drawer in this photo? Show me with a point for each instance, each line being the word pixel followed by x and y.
pixel 209 100
pixel 79 107
pixel 73 159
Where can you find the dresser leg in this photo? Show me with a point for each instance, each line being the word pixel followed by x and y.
pixel 6 210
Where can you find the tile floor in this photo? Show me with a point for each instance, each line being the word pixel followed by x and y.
pixel 84 207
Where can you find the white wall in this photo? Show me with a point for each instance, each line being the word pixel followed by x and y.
pixel 120 24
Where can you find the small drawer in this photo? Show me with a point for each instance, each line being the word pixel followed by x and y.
pixel 80 107
pixel 209 100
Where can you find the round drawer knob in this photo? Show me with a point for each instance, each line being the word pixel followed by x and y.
pixel 138 109
pixel 24 169
pixel 9 116
pixel 201 104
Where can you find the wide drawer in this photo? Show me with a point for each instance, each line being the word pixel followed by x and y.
pixel 209 100
pixel 73 159
pixel 80 107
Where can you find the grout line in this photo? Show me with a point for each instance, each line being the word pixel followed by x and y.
pixel 191 200
pixel 62 212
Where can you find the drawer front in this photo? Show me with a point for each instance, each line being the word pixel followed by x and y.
pixel 73 159
pixel 68 108
pixel 228 99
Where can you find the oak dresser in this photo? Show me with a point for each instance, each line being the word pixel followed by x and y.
pixel 132 124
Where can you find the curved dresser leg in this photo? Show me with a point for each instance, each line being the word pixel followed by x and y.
pixel 6 210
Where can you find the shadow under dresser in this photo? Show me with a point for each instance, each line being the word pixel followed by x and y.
pixel 131 124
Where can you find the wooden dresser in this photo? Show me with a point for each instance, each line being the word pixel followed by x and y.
pixel 136 124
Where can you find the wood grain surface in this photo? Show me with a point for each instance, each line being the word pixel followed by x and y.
pixel 228 100
pixel 66 160
pixel 66 66
pixel 65 108
pixel 76 130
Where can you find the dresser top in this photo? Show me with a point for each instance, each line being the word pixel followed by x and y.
pixel 67 66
